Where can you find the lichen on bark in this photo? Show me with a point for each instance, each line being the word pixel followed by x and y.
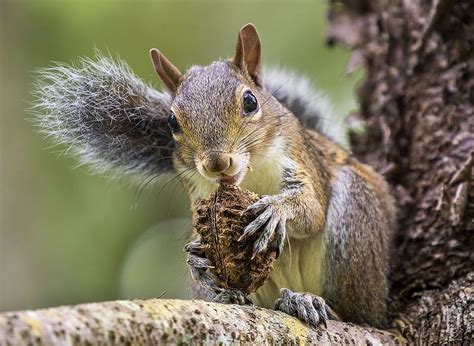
pixel 162 321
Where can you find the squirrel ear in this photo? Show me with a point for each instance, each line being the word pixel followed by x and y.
pixel 168 73
pixel 248 51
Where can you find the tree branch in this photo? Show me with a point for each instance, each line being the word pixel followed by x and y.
pixel 172 321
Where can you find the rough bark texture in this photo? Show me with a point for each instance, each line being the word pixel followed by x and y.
pixel 158 321
pixel 417 105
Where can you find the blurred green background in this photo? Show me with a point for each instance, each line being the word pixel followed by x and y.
pixel 67 236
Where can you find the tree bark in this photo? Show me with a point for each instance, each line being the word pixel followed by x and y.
pixel 417 106
pixel 157 321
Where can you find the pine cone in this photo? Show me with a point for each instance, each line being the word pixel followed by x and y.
pixel 220 220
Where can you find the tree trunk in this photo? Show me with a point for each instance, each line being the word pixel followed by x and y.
pixel 417 105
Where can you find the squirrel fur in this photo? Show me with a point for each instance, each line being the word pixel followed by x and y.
pixel 329 217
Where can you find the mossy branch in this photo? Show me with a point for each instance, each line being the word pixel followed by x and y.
pixel 159 321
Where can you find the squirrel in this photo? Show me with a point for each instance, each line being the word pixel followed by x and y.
pixel 329 217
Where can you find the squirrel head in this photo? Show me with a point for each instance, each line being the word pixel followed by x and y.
pixel 221 118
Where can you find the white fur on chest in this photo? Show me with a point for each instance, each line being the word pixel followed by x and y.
pixel 266 177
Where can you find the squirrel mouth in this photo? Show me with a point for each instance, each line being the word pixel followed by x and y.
pixel 228 179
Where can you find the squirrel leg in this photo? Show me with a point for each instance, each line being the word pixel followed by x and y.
pixel 297 203
pixel 206 284
pixel 199 267
pixel 306 307
pixel 230 296
pixel 270 223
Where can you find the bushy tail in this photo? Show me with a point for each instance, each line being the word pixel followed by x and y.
pixel 312 107
pixel 106 115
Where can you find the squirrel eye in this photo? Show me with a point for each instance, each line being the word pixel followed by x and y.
pixel 250 103
pixel 173 123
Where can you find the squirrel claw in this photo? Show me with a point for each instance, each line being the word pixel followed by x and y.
pixel 205 278
pixel 280 238
pixel 194 246
pixel 199 265
pixel 256 224
pixel 196 255
pixel 307 307
pixel 272 220
pixel 231 296
pixel 199 262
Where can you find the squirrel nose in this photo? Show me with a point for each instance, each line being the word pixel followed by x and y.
pixel 217 162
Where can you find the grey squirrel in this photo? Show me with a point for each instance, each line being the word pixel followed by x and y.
pixel 329 217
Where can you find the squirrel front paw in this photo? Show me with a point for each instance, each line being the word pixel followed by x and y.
pixel 199 266
pixel 306 307
pixel 230 296
pixel 272 218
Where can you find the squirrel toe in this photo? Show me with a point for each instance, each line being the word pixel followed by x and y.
pixel 231 296
pixel 307 307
